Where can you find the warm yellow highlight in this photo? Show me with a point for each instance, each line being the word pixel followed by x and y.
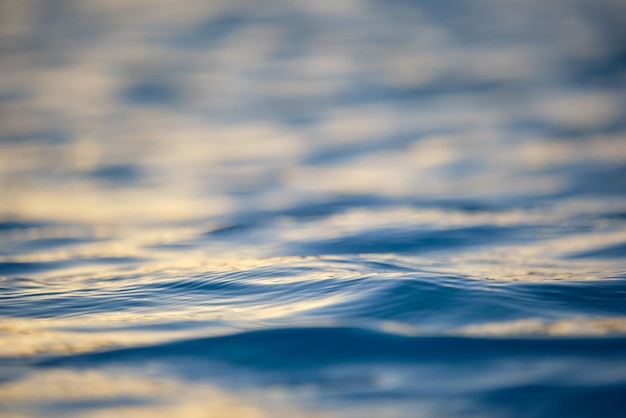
pixel 166 397
pixel 27 337
pixel 565 327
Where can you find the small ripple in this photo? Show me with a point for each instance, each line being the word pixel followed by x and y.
pixel 265 293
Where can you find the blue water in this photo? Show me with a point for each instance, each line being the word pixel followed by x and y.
pixel 313 209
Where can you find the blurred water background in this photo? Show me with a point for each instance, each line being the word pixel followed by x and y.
pixel 274 208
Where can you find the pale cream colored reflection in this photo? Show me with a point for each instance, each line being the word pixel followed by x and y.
pixel 191 164
pixel 88 204
pixel 27 337
pixel 158 397
pixel 565 327
pixel 529 264
pixel 177 173
pixel 355 124
pixel 589 109
pixel 538 153
pixel 186 158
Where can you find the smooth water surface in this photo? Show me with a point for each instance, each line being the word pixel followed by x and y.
pixel 313 209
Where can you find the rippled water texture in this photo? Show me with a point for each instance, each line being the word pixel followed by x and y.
pixel 279 208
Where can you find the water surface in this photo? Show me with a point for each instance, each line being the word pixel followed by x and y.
pixel 316 209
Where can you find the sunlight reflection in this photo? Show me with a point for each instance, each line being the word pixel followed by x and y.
pixel 146 396
pixel 533 327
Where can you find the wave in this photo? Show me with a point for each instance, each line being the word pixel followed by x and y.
pixel 303 347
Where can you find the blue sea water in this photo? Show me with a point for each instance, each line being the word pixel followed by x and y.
pixel 312 209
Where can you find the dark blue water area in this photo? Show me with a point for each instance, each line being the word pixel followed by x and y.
pixel 347 365
pixel 403 241
pixel 20 267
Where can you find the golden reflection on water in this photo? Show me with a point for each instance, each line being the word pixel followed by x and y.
pixel 190 172
pixel 27 337
pixel 27 341
pixel 144 396
pixel 577 327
